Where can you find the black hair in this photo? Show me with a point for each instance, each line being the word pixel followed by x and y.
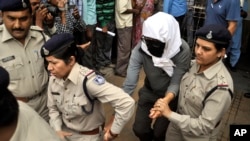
pixel 66 52
pixel 9 108
pixel 219 47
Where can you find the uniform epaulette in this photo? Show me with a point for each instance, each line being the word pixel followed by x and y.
pixel 223 86
pixel 85 71
pixel 90 72
pixel 36 28
pixel 222 82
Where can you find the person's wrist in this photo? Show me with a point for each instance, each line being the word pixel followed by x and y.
pixel 62 9
pixel 112 134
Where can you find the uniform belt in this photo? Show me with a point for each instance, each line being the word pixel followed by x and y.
pixel 27 99
pixel 92 132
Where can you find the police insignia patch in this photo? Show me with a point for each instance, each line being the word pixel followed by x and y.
pixel 24 4
pixel 99 80
pixel 45 51
pixel 209 35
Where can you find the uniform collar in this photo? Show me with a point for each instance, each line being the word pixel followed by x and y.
pixel 7 36
pixel 73 75
pixel 212 70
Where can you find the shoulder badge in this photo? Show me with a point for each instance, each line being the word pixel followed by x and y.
pixel 99 80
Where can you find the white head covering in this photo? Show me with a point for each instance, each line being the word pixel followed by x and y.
pixel 163 27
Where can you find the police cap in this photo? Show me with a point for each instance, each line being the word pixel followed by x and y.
pixel 56 43
pixel 4 78
pixel 214 33
pixel 14 5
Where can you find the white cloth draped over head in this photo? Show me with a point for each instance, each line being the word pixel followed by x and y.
pixel 163 27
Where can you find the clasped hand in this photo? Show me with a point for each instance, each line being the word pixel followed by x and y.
pixel 161 108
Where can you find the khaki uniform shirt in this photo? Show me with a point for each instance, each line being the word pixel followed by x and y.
pixel 192 119
pixel 31 127
pixel 24 63
pixel 66 98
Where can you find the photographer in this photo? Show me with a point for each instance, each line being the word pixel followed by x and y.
pixel 42 17
pixel 67 20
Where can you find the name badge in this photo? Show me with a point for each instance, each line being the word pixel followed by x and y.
pixel 9 58
pixel 55 93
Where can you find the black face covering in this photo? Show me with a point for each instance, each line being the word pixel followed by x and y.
pixel 155 47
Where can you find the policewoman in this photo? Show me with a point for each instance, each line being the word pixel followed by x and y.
pixel 205 90
pixel 76 94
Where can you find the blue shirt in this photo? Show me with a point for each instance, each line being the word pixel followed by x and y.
pixel 222 11
pixel 89 12
pixel 175 7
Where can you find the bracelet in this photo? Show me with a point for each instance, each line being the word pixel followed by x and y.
pixel 113 135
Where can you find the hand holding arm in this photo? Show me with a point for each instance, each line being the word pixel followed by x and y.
pixel 167 99
pixel 162 108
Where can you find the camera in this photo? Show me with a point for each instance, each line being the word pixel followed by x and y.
pixel 52 9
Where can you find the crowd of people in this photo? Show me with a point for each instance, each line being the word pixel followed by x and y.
pixel 52 53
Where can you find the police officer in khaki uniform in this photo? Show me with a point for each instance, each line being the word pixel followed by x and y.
pixel 20 55
pixel 205 90
pixel 18 121
pixel 76 94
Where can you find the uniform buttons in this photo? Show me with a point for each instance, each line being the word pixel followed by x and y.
pixel 29 62
pixel 32 76
pixel 65 88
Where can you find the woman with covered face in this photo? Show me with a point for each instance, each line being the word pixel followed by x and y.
pixel 76 94
pixel 205 90
pixel 165 57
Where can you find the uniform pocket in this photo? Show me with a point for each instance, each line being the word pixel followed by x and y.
pixel 14 67
pixel 195 98
pixel 77 103
pixel 57 100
